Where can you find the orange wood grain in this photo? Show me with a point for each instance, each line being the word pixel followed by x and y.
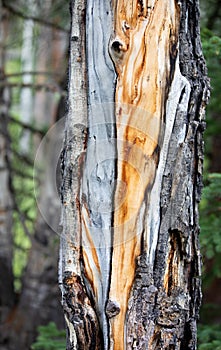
pixel 92 268
pixel 141 54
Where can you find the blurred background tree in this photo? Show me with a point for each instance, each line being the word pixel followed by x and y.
pixel 33 65
pixel 210 207
pixel 211 201
pixel 33 76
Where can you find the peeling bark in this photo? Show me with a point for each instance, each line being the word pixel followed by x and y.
pixel 132 184
pixel 81 319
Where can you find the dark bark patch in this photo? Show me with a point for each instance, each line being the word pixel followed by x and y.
pixel 80 314
pixel 112 309
pixel 141 313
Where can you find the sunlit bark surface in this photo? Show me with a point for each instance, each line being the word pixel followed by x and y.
pixel 132 166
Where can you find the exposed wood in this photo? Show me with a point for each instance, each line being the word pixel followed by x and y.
pixel 98 178
pixel 147 38
pixel 131 196
pixel 163 308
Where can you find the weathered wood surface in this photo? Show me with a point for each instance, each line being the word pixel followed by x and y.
pixel 130 261
pixel 98 178
pixel 82 322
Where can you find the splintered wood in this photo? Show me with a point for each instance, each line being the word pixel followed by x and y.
pixel 141 52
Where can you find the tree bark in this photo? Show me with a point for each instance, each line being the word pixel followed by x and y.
pixel 132 168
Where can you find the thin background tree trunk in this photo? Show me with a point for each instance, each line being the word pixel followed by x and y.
pixel 7 298
pixel 132 168
pixel 26 97
pixel 38 302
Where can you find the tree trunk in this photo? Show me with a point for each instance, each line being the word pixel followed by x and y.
pixel 7 297
pixel 26 96
pixel 132 168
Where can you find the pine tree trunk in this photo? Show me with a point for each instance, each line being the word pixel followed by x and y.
pixel 132 168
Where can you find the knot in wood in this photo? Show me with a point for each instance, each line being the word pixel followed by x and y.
pixel 112 309
pixel 117 49
pixel 75 38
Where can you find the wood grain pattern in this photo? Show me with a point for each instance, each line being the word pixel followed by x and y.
pixel 142 55
pixel 98 176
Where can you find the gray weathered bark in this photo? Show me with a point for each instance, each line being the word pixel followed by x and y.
pixel 132 168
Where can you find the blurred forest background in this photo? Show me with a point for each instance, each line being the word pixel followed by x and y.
pixel 34 38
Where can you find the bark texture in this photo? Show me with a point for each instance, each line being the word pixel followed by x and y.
pixel 132 168
pixel 82 321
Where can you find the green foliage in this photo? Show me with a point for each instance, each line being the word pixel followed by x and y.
pixel 50 338
pixel 212 51
pixel 211 44
pixel 210 222
pixel 24 202
pixel 210 216
pixel 209 337
pixel 210 206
